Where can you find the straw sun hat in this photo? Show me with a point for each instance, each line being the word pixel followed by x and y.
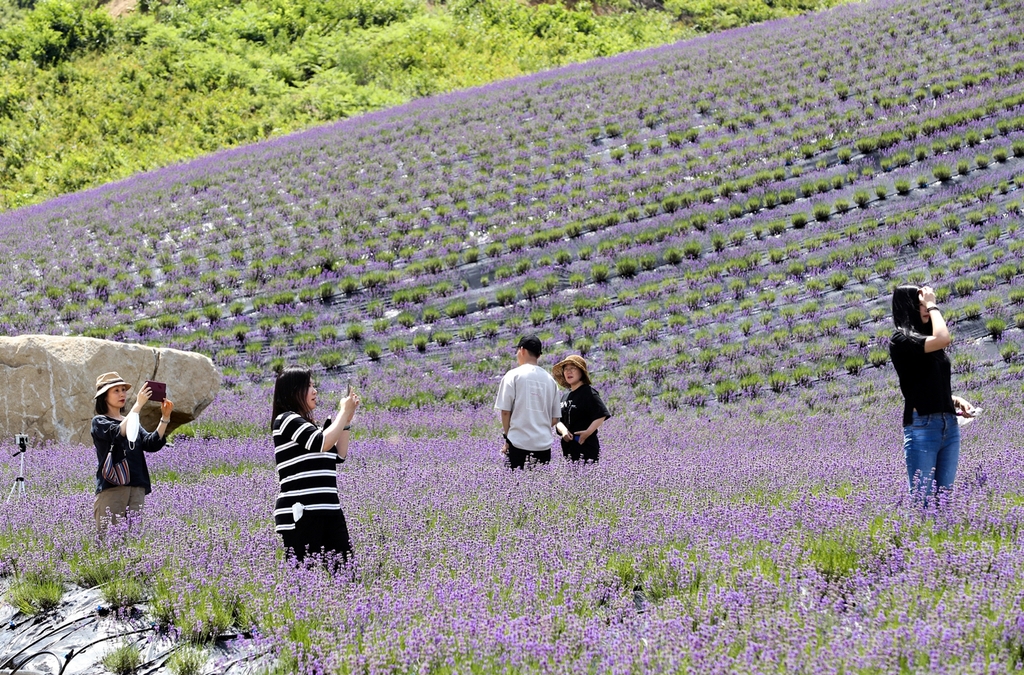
pixel 574 360
pixel 108 380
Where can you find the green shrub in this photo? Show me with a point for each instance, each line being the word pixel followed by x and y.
pixel 855 318
pixel 838 280
pixel 972 311
pixel 123 659
pixel 330 359
pixel 964 287
pixel 726 391
pixel 778 382
pixel 187 660
pixel 35 593
pixel 124 591
pixel 854 364
pixel 456 309
pixel 673 255
pixel 625 267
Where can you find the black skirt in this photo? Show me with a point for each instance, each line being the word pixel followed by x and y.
pixel 319 532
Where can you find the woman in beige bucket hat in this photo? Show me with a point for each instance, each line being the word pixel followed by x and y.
pixel 110 436
pixel 583 411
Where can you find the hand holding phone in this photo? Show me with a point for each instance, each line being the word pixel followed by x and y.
pixel 348 404
pixel 158 390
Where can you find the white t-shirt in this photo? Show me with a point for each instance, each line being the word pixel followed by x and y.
pixel 532 396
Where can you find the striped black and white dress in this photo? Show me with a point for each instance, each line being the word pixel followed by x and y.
pixel 308 487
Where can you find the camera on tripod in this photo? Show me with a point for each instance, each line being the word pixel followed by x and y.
pixel 21 442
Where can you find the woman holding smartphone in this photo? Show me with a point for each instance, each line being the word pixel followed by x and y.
pixel 308 513
pixel 931 430
pixel 583 411
pixel 110 436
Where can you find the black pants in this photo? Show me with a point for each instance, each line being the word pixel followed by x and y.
pixel 319 532
pixel 574 452
pixel 519 459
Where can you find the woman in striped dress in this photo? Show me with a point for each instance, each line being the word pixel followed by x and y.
pixel 308 513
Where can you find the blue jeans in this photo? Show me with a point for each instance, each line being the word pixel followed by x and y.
pixel 931 444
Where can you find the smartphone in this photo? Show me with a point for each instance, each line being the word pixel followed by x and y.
pixel 159 390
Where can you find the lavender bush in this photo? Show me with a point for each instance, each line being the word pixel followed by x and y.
pixel 757 542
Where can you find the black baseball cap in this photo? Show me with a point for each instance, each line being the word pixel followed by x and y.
pixel 531 343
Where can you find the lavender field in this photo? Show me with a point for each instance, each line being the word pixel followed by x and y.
pixel 699 544
pixel 717 226
pixel 714 220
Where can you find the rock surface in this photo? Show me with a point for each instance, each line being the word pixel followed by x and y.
pixel 48 384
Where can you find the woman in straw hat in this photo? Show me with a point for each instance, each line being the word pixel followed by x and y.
pixel 110 436
pixel 583 411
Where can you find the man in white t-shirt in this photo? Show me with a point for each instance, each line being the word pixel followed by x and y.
pixel 530 406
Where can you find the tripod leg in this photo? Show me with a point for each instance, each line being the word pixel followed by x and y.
pixel 19 482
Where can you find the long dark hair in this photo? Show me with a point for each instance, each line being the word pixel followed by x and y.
pixel 101 405
pixel 290 392
pixel 906 311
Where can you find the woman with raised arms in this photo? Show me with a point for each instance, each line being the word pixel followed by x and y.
pixel 129 482
pixel 308 513
pixel 931 430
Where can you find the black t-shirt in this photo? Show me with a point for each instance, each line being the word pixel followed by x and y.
pixel 924 377
pixel 579 410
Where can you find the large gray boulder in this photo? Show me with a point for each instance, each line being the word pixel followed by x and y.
pixel 48 384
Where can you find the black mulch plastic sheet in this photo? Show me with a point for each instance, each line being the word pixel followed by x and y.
pixel 72 639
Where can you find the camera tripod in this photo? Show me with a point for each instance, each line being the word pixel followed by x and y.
pixel 19 482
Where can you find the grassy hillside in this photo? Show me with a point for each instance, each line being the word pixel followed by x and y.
pixel 85 99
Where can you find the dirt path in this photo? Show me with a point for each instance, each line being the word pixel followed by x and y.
pixel 118 8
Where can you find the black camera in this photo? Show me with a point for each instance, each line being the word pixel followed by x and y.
pixel 22 441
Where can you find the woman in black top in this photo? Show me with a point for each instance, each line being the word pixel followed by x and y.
pixel 308 513
pixel 931 432
pixel 583 411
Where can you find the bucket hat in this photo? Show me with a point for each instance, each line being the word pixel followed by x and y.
pixel 108 380
pixel 574 360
